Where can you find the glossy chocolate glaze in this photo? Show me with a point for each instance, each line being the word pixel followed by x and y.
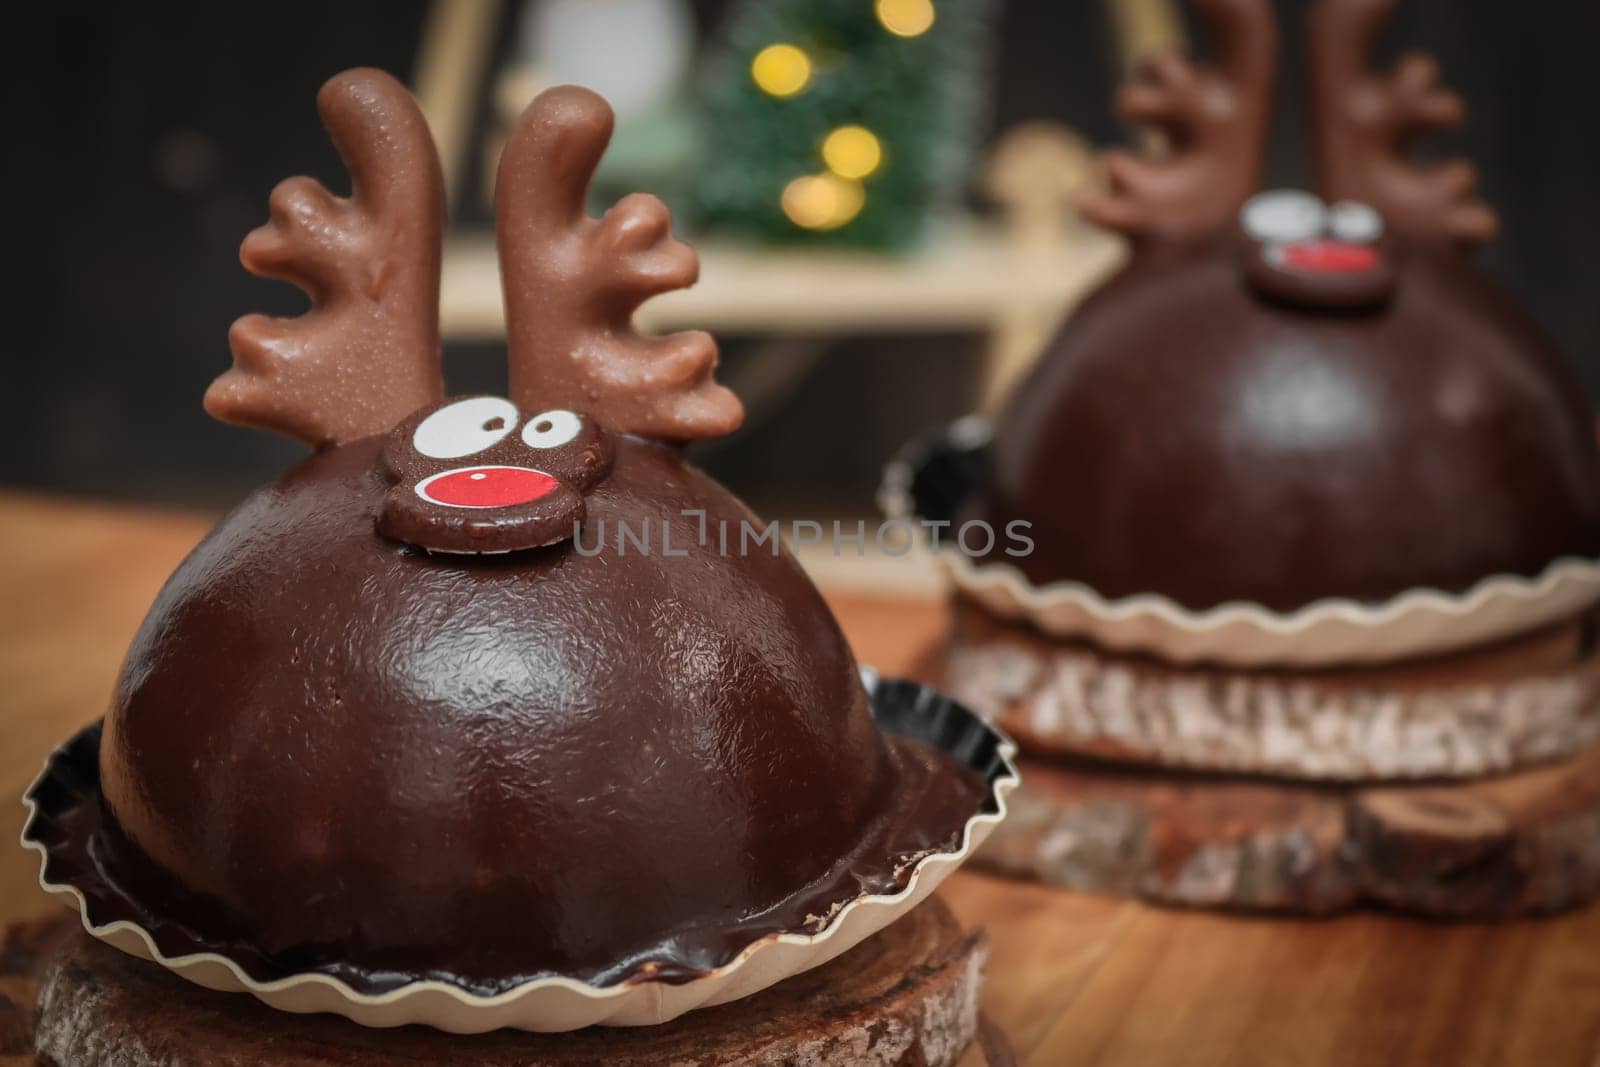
pixel 330 751
pixel 1187 436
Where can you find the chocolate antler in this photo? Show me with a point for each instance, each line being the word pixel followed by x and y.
pixel 1215 120
pixel 1366 122
pixel 572 283
pixel 367 353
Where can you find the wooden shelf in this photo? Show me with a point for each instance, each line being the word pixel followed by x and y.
pixel 970 277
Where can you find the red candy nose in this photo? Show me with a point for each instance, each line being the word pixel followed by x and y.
pixel 1329 257
pixel 486 487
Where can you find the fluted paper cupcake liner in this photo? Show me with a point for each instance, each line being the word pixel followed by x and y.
pixel 934 477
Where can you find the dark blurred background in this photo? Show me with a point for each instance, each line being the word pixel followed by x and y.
pixel 145 143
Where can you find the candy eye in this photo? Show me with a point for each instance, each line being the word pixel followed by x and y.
pixel 551 429
pixel 465 427
pixel 1354 222
pixel 1283 216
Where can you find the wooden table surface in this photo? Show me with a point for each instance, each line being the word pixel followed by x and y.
pixel 1072 979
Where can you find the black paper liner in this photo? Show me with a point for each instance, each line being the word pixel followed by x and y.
pixel 65 807
pixel 934 475
pixel 910 709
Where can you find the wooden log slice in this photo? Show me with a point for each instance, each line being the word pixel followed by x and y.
pixel 1498 708
pixel 24 952
pixel 1522 843
pixel 906 996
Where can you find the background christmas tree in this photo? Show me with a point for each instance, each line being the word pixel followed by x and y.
pixel 841 121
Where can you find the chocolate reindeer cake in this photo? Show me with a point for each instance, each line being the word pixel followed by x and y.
pixel 1280 401
pixel 1307 494
pixel 469 700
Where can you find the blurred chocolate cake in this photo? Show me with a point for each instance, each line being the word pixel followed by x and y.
pixel 1280 401
pixel 1307 494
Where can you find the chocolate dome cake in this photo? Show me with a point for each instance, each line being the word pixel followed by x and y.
pixel 1188 436
pixel 479 693
pixel 594 765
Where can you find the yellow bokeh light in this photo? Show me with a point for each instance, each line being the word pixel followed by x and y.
pixel 781 69
pixel 822 201
pixel 852 152
pixel 905 18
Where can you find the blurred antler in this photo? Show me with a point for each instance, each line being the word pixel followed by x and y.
pixel 572 284
pixel 1215 120
pixel 367 353
pixel 1365 124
